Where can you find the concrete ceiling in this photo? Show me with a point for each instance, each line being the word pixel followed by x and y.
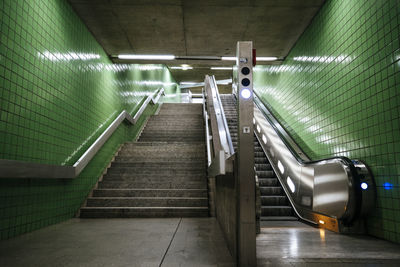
pixel 196 28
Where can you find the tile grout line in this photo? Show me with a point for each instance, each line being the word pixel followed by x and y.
pixel 170 242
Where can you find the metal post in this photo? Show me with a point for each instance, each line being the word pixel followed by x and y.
pixel 245 155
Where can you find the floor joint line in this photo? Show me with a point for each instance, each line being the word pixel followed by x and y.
pixel 170 242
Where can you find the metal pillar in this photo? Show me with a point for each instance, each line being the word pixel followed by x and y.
pixel 245 156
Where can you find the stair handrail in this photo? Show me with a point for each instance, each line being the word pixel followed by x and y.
pixel 223 151
pixel 23 169
pixel 208 137
pixel 303 173
pixel 223 128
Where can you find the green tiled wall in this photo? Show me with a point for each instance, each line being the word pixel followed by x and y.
pixel 58 92
pixel 338 94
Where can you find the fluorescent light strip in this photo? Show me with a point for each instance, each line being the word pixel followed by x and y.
pixel 258 58
pixel 189 83
pixel 266 58
pixel 229 58
pixel 221 68
pixel 147 57
pixel 182 68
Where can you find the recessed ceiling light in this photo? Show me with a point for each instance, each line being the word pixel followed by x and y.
pixel 147 57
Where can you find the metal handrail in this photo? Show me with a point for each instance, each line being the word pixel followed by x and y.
pixel 208 139
pixel 223 153
pixel 227 132
pixel 327 188
pixel 223 128
pixel 22 169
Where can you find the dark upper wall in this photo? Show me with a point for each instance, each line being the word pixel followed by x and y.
pixel 58 92
pixel 337 94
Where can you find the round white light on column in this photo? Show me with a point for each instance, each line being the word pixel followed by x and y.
pixel 364 186
pixel 245 93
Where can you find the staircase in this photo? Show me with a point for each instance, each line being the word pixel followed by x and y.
pixel 161 175
pixel 274 203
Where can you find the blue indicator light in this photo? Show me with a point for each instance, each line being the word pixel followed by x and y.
pixel 364 186
pixel 387 186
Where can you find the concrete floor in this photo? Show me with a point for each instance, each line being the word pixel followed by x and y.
pixel 120 242
pixel 188 242
pixel 298 244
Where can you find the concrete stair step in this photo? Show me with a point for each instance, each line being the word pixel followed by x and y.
pixel 166 138
pixel 178 117
pixel 164 146
pixel 143 212
pixel 150 193
pixel 162 157
pixel 173 135
pixel 146 202
pixel 144 177
pixel 143 153
pixel 154 175
pixel 161 165
pixel 190 127
pixel 156 123
pixel 156 185
pixel 172 130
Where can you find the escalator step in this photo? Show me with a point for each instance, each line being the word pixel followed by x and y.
pixel 276 211
pixel 275 204
pixel 272 191
pixel 264 182
pixel 265 174
pixel 263 166
pixel 279 218
pixel 274 201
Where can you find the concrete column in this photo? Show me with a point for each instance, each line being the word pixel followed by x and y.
pixel 245 156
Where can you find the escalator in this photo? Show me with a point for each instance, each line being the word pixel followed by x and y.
pixel 275 205
pixel 257 171
pixel 335 193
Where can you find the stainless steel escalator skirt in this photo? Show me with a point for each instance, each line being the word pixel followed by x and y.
pixel 336 188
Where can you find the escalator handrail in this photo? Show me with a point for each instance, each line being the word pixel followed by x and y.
pixel 295 150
